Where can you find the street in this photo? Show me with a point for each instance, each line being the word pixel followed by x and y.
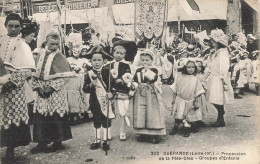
pixel 236 143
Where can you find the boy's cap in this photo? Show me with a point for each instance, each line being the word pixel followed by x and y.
pixel 130 46
pixel 115 39
pixel 98 50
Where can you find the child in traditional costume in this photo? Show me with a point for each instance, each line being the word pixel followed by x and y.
pixel 123 52
pixel 187 90
pixel 51 121
pixel 97 83
pixel 148 115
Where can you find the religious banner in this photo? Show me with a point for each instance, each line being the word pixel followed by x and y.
pixel 149 18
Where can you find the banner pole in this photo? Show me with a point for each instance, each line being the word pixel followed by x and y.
pixel 165 24
pixel 135 21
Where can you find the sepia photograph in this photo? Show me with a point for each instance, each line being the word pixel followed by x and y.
pixel 129 81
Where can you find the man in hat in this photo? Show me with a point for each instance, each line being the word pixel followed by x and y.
pixel 96 86
pixel 51 106
pixel 123 52
pixel 18 63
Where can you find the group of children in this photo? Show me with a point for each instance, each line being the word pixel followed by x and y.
pixel 118 86
pixel 110 85
pixel 113 86
pixel 244 68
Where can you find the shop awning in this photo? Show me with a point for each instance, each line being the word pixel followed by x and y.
pixel 254 4
pixel 53 18
pixel 74 16
pixel 91 15
pixel 209 9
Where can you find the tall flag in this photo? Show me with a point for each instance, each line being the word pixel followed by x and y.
pixel 193 5
pixel 149 18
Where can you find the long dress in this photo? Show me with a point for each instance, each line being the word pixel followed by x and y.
pixel 187 88
pixel 18 61
pixel 148 115
pixel 51 122
pixel 219 67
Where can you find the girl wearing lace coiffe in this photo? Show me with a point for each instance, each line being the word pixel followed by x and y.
pixel 148 116
pixel 186 91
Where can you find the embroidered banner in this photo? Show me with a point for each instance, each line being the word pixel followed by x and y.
pixel 149 18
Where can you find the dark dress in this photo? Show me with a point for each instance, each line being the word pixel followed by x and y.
pixel 16 136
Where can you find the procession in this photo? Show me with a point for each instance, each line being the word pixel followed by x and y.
pixel 110 81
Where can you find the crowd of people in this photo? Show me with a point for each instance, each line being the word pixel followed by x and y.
pixel 123 79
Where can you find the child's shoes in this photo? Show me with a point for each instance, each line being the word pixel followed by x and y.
pixel 186 132
pixel 174 130
pixel 194 128
pixel 95 145
pixel 141 138
pixel 156 139
pixel 122 136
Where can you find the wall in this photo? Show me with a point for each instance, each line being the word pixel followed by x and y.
pixel 233 17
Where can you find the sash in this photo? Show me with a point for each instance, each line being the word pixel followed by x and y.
pixel 101 95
